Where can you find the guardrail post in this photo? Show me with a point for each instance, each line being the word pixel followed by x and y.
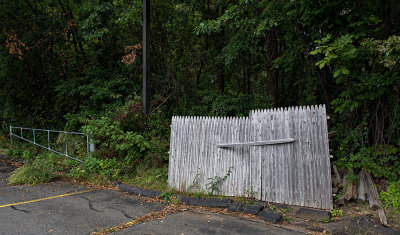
pixel 48 139
pixel 34 139
pixel 92 146
pixel 11 134
pixel 66 143
pixel 87 144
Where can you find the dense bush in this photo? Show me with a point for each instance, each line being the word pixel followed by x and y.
pixel 130 116
pixel 112 142
pixel 93 167
pixel 383 161
pixel 391 198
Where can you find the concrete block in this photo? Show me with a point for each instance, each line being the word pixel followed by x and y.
pixel 253 209
pixel 235 207
pixel 270 216
pixel 313 214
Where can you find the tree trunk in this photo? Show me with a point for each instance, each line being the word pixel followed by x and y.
pixel 221 78
pixel 387 18
pixel 248 76
pixel 323 82
pixel 272 78
pixel 70 17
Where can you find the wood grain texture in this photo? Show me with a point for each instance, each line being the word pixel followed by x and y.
pixel 276 155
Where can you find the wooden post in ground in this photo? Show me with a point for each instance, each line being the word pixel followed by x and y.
pixel 373 198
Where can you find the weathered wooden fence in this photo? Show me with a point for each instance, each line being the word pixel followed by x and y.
pixel 277 155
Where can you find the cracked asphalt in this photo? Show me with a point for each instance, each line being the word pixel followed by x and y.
pixel 63 208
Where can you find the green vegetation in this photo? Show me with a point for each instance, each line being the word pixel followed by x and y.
pixel 42 166
pixel 391 198
pixel 154 178
pixel 41 169
pixel 335 214
pixel 214 185
pixel 76 65
pixel 325 220
pixel 120 155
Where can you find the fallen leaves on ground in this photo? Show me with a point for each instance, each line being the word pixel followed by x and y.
pixel 173 208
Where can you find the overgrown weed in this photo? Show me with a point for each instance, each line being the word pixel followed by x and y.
pixel 44 168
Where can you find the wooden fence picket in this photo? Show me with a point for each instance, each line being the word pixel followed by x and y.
pixel 277 155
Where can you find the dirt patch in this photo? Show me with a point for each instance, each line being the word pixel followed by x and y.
pixel 356 219
pixel 366 224
pixel 6 162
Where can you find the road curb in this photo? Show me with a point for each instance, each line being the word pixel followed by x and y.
pixel 270 216
pixel 206 202
pixel 253 209
pixel 138 191
pixel 312 214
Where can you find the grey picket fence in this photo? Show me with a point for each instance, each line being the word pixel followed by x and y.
pixel 276 155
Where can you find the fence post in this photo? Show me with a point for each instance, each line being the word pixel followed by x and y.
pixel 11 134
pixel 66 143
pixel 34 139
pixel 92 146
pixel 48 139
pixel 87 144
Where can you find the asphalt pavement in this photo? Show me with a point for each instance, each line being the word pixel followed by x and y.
pixel 203 222
pixel 64 208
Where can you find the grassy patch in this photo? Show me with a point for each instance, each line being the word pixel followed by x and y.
pixel 148 177
pixel 44 168
pixel 94 178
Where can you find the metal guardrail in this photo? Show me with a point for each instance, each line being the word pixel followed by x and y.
pixel 90 146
